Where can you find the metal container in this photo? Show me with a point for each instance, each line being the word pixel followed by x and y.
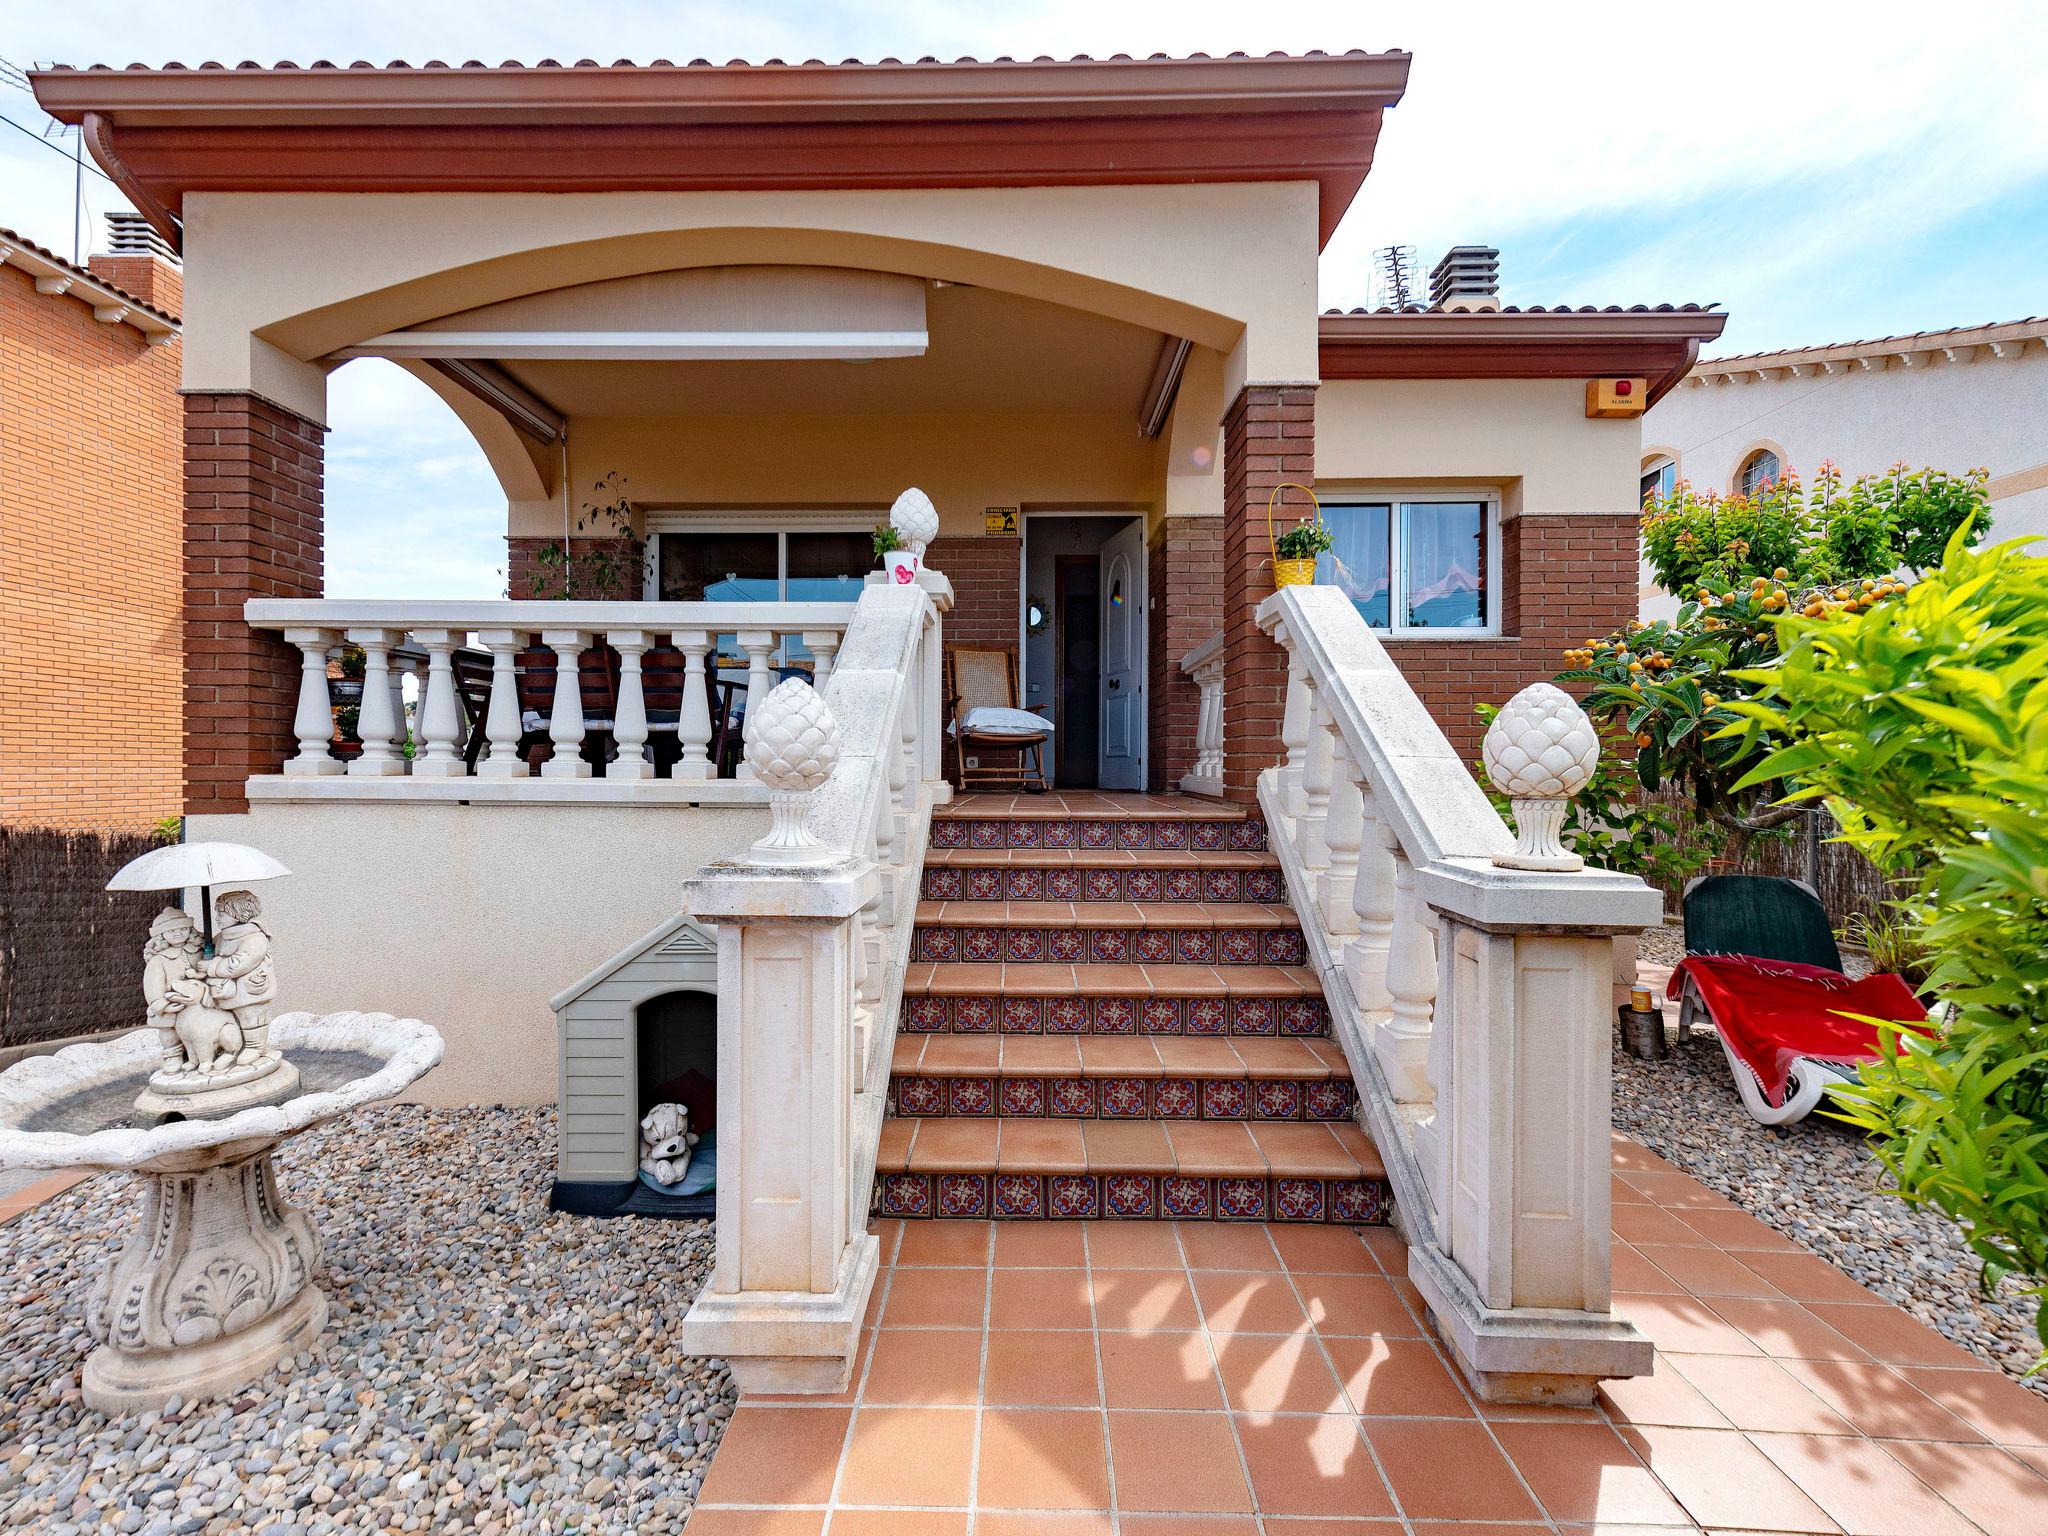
pixel 1642 1026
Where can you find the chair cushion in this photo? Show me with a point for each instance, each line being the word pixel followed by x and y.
pixel 986 720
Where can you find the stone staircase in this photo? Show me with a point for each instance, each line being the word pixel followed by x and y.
pixel 1108 1014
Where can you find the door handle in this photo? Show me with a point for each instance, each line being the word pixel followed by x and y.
pixel 1114 685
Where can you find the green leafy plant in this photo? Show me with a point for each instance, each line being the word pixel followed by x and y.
pixel 170 829
pixel 886 539
pixel 609 562
pixel 1612 826
pixel 1304 541
pixel 1923 723
pixel 1892 940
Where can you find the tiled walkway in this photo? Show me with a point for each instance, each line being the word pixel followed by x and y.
pixel 1076 1379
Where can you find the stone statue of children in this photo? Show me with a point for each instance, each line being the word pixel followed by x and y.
pixel 180 1003
pixel 241 976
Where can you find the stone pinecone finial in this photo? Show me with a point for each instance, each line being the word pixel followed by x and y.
pixel 1539 752
pixel 915 520
pixel 793 749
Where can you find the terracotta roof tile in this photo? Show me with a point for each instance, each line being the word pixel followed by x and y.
pixel 928 61
pixel 84 274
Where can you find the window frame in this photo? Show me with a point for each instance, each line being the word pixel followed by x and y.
pixel 1393 499
pixel 1749 456
pixel 1656 464
pixel 781 524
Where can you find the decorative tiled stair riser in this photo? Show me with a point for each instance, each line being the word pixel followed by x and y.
pixel 1299 1017
pixel 1123 1098
pixel 1164 834
pixel 947 942
pixel 1093 882
pixel 1133 1197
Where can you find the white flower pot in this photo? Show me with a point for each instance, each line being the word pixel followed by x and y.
pixel 901 565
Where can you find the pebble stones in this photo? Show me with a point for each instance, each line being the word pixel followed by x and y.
pixel 491 1366
pixel 1816 1183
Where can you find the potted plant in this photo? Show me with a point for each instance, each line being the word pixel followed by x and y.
pixel 1295 551
pixel 899 562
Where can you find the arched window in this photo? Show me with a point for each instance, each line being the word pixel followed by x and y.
pixel 1760 469
pixel 1660 476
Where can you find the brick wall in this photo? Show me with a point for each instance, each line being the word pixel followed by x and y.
pixel 89 566
pixel 1563 580
pixel 987 590
pixel 1186 594
pixel 1269 436
pixel 252 529
pixel 150 278
pixel 522 564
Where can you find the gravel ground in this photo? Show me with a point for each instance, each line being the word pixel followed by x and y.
pixel 1816 1183
pixel 488 1366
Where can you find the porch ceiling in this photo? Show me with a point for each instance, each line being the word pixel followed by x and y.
pixel 989 352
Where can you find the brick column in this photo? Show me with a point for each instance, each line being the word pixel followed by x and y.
pixel 1186 605
pixel 252 529
pixel 1269 435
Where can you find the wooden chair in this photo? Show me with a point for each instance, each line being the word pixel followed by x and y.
pixel 987 679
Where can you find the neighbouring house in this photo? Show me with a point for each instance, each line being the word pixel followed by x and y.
pixel 1307 977
pixel 92 538
pixel 1972 397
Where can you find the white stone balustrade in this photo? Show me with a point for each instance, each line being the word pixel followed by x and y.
pixel 547 643
pixel 1204 667
pixel 1469 980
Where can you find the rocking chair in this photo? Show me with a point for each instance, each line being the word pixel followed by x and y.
pixel 984 718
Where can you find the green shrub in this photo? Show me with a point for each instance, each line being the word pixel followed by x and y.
pixel 1923 722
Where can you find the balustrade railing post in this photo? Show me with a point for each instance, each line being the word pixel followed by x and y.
pixel 439 716
pixel 1336 888
pixel 313 720
pixel 629 720
pixel 823 644
pixel 565 720
pixel 402 734
pixel 378 722
pixel 502 722
pixel 1293 724
pixel 758 644
pixel 693 729
pixel 1209 756
pixel 1372 899
pixel 1312 825
pixel 1403 1041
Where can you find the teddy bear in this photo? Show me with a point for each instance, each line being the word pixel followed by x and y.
pixel 665 1143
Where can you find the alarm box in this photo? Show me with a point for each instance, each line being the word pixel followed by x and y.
pixel 1617 397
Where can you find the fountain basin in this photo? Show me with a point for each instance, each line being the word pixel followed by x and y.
pixel 214 1283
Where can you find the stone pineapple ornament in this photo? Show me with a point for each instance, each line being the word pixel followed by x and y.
pixel 792 748
pixel 1539 752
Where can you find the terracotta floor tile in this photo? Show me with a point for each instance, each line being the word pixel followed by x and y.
pixel 1039 1298
pixel 1893 1337
pixel 1238 1302
pixel 1212 1149
pixel 918 1456
pixel 1587 1472
pixel 1158 1370
pixel 1442 1470
pixel 1275 1057
pixel 1683 1324
pixel 1041 1146
pixel 895 1522
pixel 1359 1147
pixel 2001 1494
pixel 1388 1247
pixel 776 1456
pixel 1036 1458
pixel 1042 1369
pixel 1868 1395
pixel 1630 1271
pixel 1111 981
pixel 1495 1528
pixel 893 1154
pixel 925 1367
pixel 1228 1246
pixel 1357 1305
pixel 1629 1154
pixel 1143 1300
pixel 1806 1277
pixel 1724 1481
pixel 1753 1393
pixel 1204 1525
pixel 1303 1151
pixel 1708 1271
pixel 1184 1462
pixel 1186 980
pixel 1041 1056
pixel 1735 1230
pixel 1785 1330
pixel 1989 1401
pixel 1119 1056
pixel 1398 1377
pixel 1621 1192
pixel 935 1298
pixel 1862 1489
pixel 961 1055
pixel 1039 1245
pixel 1073 1522
pixel 756 1522
pixel 904 1054
pixel 1312 1466
pixel 1266 1373
pixel 951 1244
pixel 1132 1245
pixel 1677 1191
pixel 1664 1397
pixel 1650 1224
pixel 1322 1250
pixel 1126 1146
pixel 964 980
pixel 954 1146
pixel 1195 1056
pixel 1038 980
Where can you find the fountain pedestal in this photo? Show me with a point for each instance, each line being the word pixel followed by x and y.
pixel 211 1288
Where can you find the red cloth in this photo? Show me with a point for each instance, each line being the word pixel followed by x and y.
pixel 1772 1012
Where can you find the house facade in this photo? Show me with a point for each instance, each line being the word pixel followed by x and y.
pixel 91 538
pixel 1975 396
pixel 708 324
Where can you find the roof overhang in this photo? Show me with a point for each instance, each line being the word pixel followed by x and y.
pixel 1659 344
pixel 661 127
pixel 110 305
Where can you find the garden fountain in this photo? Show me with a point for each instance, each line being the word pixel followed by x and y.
pixel 214 1284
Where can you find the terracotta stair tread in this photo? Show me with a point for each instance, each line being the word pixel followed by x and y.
pixel 1104 914
pixel 1095 858
pixel 955 978
pixel 1090 806
pixel 1209 1149
pixel 1218 1056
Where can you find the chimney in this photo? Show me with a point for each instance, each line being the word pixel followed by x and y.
pixel 140 261
pixel 1467 278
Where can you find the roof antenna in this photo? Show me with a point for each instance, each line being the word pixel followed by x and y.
pixel 1396 278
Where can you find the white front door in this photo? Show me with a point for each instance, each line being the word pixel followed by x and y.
pixel 1121 764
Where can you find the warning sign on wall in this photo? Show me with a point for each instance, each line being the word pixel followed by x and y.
pixel 999 522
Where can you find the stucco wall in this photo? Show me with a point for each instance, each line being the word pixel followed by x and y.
pixel 1958 415
pixel 470 916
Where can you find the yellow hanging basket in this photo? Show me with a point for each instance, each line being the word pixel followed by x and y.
pixel 1289 572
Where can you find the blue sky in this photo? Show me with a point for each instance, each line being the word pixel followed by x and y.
pixel 1823 172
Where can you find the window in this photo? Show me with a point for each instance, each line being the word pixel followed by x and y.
pixel 724 566
pixel 1758 470
pixel 1659 480
pixel 1413 566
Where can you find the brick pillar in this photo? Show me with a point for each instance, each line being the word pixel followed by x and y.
pixel 1269 435
pixel 252 529
pixel 1186 603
